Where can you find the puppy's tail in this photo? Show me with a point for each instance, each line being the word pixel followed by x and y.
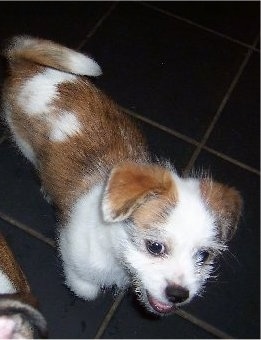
pixel 50 54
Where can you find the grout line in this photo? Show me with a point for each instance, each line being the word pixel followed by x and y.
pixel 161 127
pixel 219 110
pixel 97 25
pixel 109 316
pixel 182 137
pixel 190 22
pixel 190 141
pixel 203 324
pixel 231 160
pixel 27 229
pixel 209 328
pixel 185 315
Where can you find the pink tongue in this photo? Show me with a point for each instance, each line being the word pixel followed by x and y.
pixel 160 307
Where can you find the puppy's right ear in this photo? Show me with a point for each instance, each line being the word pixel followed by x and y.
pixel 129 185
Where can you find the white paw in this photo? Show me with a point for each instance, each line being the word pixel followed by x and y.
pixel 83 289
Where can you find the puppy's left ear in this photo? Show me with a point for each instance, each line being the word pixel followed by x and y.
pixel 226 204
pixel 130 185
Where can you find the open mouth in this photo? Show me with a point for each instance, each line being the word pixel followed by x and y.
pixel 159 306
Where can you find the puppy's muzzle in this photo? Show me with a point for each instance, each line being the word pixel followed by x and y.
pixel 176 293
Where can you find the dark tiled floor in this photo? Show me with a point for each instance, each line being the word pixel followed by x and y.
pixel 188 71
pixel 19 184
pixel 172 78
pixel 67 22
pixel 142 326
pixel 224 17
pixel 238 120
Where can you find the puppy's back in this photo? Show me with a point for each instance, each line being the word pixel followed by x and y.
pixel 62 123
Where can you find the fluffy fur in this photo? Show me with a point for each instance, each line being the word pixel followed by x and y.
pixel 124 219
pixel 19 318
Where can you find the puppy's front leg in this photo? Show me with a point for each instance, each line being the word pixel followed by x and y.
pixel 82 288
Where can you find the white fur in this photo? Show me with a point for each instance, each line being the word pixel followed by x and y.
pixel 88 247
pixel 6 286
pixel 22 42
pixel 7 327
pixel 100 250
pixel 183 234
pixel 14 326
pixel 26 149
pixel 80 64
pixel 38 92
pixel 66 125
pixel 96 253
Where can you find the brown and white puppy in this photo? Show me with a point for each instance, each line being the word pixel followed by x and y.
pixel 19 317
pixel 124 219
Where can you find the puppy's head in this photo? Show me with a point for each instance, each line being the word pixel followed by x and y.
pixel 175 228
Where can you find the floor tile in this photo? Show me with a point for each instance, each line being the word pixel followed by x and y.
pixel 66 22
pixel 175 74
pixel 232 302
pixel 67 316
pixel 162 68
pixel 166 147
pixel 131 322
pixel 224 17
pixel 20 195
pixel 237 132
pixel 2 130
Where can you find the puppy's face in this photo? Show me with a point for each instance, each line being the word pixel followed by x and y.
pixel 175 228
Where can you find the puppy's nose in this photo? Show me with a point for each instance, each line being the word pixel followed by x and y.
pixel 176 293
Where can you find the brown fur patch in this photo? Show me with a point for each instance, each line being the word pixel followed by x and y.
pixel 39 51
pixel 71 167
pixel 29 128
pixel 26 298
pixel 154 211
pixel 226 203
pixel 11 268
pixel 149 187
pixel 108 137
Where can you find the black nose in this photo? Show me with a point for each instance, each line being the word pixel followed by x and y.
pixel 177 293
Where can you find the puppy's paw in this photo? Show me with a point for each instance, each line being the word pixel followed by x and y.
pixel 83 289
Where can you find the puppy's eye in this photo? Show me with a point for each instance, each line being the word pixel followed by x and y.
pixel 155 248
pixel 202 256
